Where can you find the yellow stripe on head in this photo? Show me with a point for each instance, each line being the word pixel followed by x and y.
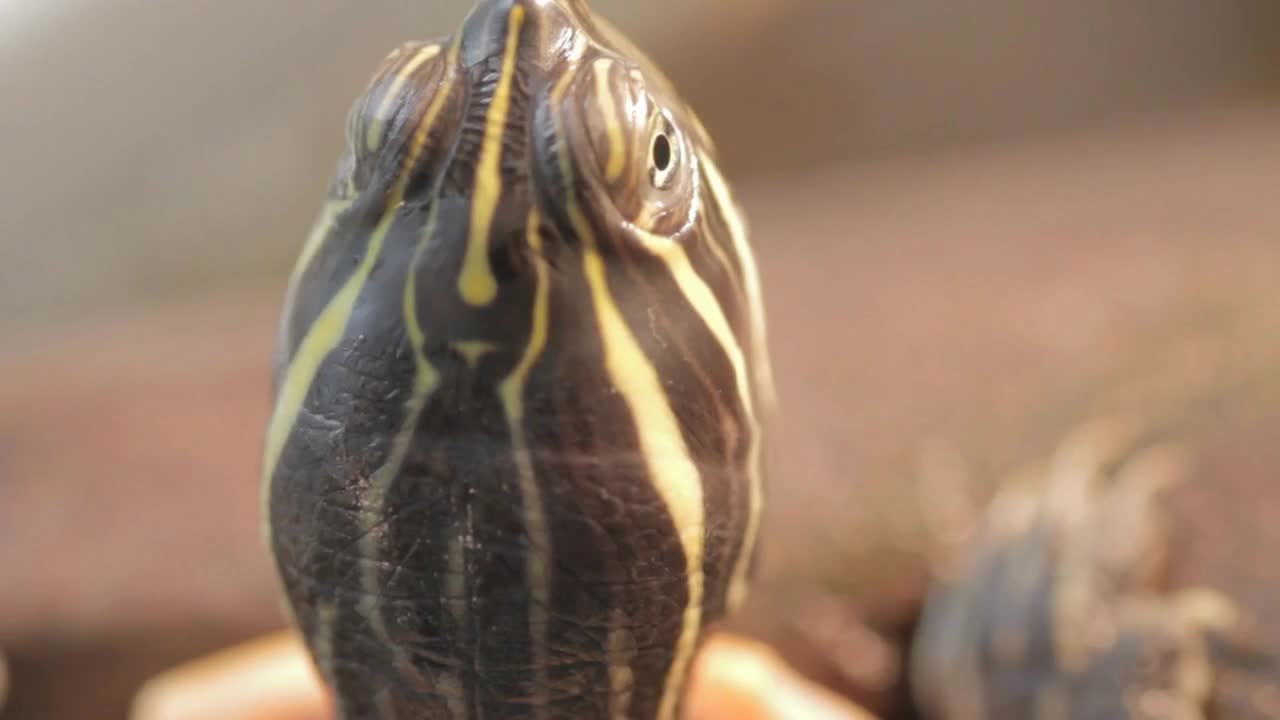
pixel 612 123
pixel 374 131
pixel 477 284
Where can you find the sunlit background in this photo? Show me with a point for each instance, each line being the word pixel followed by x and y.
pixel 971 215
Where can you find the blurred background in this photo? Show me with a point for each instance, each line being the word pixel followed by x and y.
pixel 975 218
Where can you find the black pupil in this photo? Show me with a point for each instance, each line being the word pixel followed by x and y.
pixel 661 153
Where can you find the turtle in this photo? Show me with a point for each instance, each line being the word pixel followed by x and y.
pixel 1101 583
pixel 1116 567
pixel 516 465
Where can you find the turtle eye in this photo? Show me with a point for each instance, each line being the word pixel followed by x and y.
pixel 664 155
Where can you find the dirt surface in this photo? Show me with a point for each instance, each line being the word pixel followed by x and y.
pixel 943 319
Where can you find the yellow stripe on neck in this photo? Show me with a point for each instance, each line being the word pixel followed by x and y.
pixel 511 392
pixel 704 303
pixel 674 474
pixel 761 372
pixel 327 330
